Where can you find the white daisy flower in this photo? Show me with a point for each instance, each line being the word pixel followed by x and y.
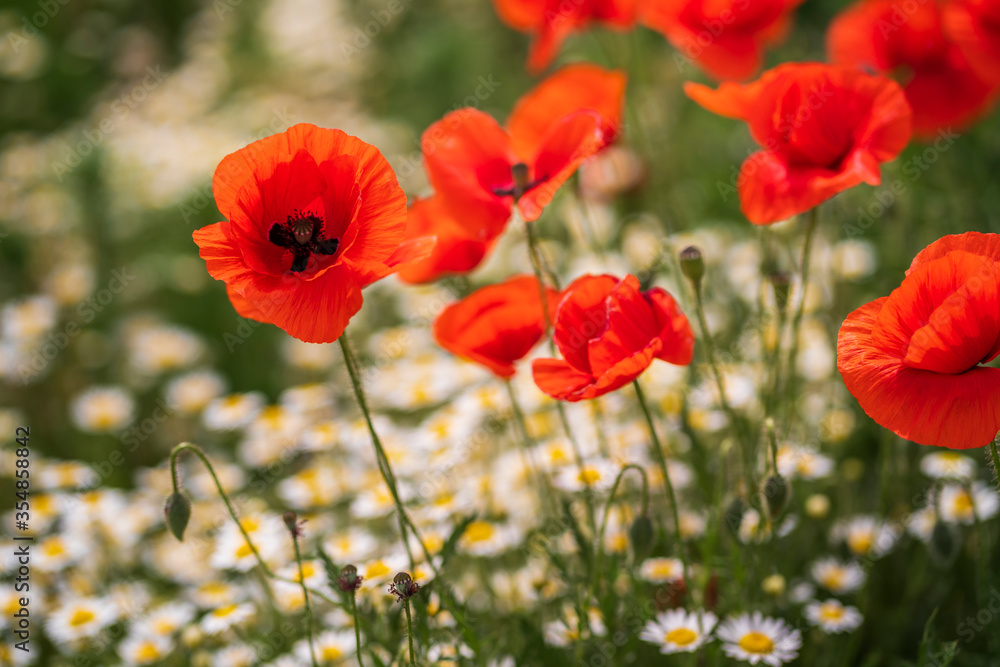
pixel 235 655
pixel 693 524
pixel 190 393
pixel 233 411
pixel 832 616
pixel 921 523
pixel 947 465
pixel 803 463
pixel 678 631
pixel 661 570
pixel 222 618
pixel 836 576
pixel 80 618
pixel 956 505
pixel 354 545
pixel 330 647
pixel 268 534
pixel 596 476
pixel 159 348
pixel 213 594
pixel 102 409
pixel 62 475
pixel 28 318
pixel 308 356
pixel 755 638
pixel 141 649
pixel 484 538
pixel 167 619
pixel 866 536
pixel 57 551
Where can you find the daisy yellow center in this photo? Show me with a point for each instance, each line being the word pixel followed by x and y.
pixel 829 611
pixel 243 551
pixel 147 652
pixel 950 457
pixel 479 531
pixel 377 569
pixel 164 627
pixel 756 643
pixel 589 476
pixel 681 636
pixel 558 456
pixel 81 617
pixel 308 570
pixel 331 653
pixel 222 612
pixel 860 543
pixel 249 525
pixel 663 570
pixel 963 503
pixel 834 579
pixel 54 548
pixel 214 588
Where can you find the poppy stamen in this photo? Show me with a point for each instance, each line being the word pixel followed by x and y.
pixel 522 184
pixel 302 234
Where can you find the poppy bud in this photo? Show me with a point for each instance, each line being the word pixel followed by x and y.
pixel 290 522
pixel 944 544
pixel 349 579
pixel 775 492
pixel 403 586
pixel 642 536
pixel 780 282
pixel 692 265
pixel 178 511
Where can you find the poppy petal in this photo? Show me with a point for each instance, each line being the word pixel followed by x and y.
pixel 986 245
pixel 956 411
pixel 582 316
pixel 559 380
pixel 674 328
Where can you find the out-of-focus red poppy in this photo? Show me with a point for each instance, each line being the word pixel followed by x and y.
pixel 459 247
pixel 608 333
pixel 914 359
pixel 313 216
pixel 551 21
pixel 940 83
pixel 726 38
pixel 573 88
pixel 479 170
pixel 824 129
pixel 496 326
pixel 974 25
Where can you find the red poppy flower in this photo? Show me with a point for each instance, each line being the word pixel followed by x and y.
pixel 940 83
pixel 914 359
pixel 497 325
pixel 726 38
pixel 459 247
pixel 578 87
pixel 974 25
pixel 552 21
pixel 608 333
pixel 313 215
pixel 824 129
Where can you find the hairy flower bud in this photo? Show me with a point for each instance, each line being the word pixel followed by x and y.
pixel 178 512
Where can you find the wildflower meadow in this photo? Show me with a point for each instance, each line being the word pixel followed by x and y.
pixel 499 333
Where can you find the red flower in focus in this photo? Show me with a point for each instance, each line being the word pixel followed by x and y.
pixel 552 21
pixel 313 215
pixel 914 359
pixel 824 129
pixel 608 333
pixel 940 83
pixel 726 38
pixel 497 325
pixel 974 25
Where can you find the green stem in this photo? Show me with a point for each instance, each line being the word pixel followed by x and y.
pixel 773 441
pixel 734 420
pixel 187 446
pixel 800 307
pixel 387 475
pixel 305 593
pixel 521 426
pixel 409 631
pixel 357 629
pixel 661 459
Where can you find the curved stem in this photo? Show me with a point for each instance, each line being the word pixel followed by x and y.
pixel 305 593
pixel 607 511
pixel 383 461
pixel 187 446
pixel 661 459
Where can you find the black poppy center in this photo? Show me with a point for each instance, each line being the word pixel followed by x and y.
pixel 521 182
pixel 302 235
